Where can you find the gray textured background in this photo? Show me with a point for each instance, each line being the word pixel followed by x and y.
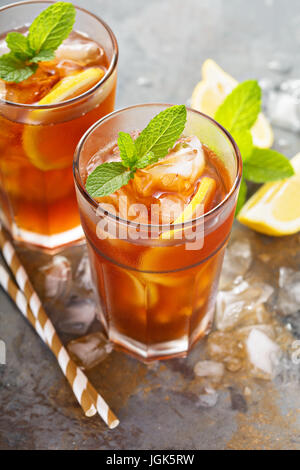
pixel 162 42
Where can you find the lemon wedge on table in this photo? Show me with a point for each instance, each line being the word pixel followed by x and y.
pixel 275 208
pixel 51 147
pixel 211 91
pixel 203 195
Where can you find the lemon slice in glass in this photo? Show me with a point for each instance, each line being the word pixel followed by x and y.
pixel 204 194
pixel 274 209
pixel 211 91
pixel 51 147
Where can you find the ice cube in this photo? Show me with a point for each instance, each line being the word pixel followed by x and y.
pixel 263 353
pixel 283 108
pixel 3 47
pixel 237 260
pixel 287 371
pixel 83 52
pixel 227 348
pixel 83 274
pixel 57 278
pixel 90 350
pixel 207 399
pixel 209 369
pixel 280 64
pixel 77 317
pixel 235 305
pixel 144 82
pixel 289 291
pixel 292 87
pixel 178 171
pixel 170 207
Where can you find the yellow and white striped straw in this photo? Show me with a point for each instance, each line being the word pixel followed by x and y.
pixel 30 306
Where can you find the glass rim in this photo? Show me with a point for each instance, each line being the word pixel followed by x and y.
pixel 190 223
pixel 90 91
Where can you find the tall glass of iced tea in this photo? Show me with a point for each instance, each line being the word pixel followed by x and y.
pixel 41 121
pixel 156 279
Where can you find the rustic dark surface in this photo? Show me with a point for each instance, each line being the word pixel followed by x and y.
pixel 162 45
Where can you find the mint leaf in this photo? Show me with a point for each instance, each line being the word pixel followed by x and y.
pixel 147 160
pixel 18 44
pixel 162 132
pixel 43 56
pixel 14 70
pixel 51 27
pixel 46 33
pixel 267 165
pixel 244 142
pixel 107 178
pixel 241 107
pixel 127 149
pixel 241 197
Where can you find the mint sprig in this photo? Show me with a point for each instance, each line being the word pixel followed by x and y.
pixel 151 145
pixel 238 112
pixel 49 29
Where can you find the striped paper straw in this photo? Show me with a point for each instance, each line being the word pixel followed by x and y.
pixel 30 306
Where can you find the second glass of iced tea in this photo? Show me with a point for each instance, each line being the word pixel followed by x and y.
pixel 157 290
pixel 39 128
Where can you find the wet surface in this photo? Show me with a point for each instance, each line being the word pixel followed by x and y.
pixel 165 405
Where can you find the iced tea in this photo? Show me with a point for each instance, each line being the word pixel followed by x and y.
pixel 39 128
pixel 157 293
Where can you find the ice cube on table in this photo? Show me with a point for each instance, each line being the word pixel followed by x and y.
pixel 178 171
pixel 227 348
pixel 207 399
pixel 83 52
pixel 88 351
pixel 57 278
pixel 77 317
pixel 280 64
pixel 237 260
pixel 83 274
pixel 289 291
pixel 209 369
pixel 263 353
pixel 232 306
pixel 283 109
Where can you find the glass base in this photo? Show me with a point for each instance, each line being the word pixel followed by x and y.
pixel 160 351
pixel 49 244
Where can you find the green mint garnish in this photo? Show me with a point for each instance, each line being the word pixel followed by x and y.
pixel 152 144
pixel 127 149
pixel 107 178
pixel 49 29
pixel 267 165
pixel 241 108
pixel 15 70
pixel 238 112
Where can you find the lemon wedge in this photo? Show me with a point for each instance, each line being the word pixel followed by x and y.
pixel 274 209
pixel 203 195
pixel 52 147
pixel 211 91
